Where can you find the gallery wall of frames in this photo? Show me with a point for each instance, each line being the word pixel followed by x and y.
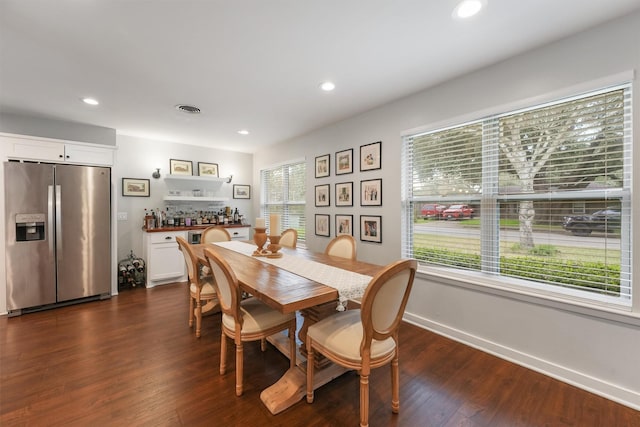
pixel 367 190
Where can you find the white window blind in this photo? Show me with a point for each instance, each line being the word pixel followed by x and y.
pixel 283 192
pixel 541 195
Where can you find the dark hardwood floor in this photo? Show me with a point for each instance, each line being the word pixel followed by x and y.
pixel 133 361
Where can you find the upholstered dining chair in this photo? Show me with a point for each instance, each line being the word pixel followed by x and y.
pixel 215 234
pixel 289 238
pixel 201 290
pixel 343 246
pixel 366 338
pixel 245 320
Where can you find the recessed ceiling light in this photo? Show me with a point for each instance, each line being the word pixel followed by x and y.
pixel 188 109
pixel 468 8
pixel 243 132
pixel 327 86
pixel 90 101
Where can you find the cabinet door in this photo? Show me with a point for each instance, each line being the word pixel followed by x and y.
pixel 37 150
pixel 239 233
pixel 165 262
pixel 88 155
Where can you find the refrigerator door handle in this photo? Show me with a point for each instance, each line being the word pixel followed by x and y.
pixel 58 223
pixel 50 217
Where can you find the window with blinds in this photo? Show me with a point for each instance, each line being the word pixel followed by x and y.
pixel 541 195
pixel 283 192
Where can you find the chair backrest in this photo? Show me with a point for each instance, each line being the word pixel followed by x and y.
pixel 215 234
pixel 343 246
pixel 289 238
pixel 385 299
pixel 189 258
pixel 226 284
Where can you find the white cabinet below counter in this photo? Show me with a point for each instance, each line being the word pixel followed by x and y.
pixel 165 262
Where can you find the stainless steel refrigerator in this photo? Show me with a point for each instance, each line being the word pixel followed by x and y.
pixel 58 234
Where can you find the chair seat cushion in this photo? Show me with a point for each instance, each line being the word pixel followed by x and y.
pixel 207 291
pixel 257 317
pixel 341 333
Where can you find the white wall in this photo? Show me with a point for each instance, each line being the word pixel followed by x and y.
pixel 590 348
pixel 138 158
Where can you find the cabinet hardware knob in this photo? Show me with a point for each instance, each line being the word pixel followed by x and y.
pixel 167 238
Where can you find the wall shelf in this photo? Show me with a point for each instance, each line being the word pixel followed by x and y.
pixel 195 199
pixel 196 178
pixel 180 188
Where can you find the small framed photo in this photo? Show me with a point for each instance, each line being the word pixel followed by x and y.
pixel 208 169
pixel 371 192
pixel 344 194
pixel 322 195
pixel 371 228
pixel 323 166
pixel 180 167
pixel 344 224
pixel 241 191
pixel 344 161
pixel 135 187
pixel 322 225
pixel 370 156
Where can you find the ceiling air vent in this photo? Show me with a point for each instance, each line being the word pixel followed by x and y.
pixel 188 109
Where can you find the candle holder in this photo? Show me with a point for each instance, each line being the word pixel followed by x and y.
pixel 274 247
pixel 259 238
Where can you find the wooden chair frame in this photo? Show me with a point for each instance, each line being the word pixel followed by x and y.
pixel 230 298
pixel 339 245
pixel 196 284
pixel 289 238
pixel 380 314
pixel 215 233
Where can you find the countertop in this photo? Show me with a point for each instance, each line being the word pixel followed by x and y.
pixel 192 227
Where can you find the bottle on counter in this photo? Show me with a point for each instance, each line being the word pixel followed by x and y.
pixel 235 216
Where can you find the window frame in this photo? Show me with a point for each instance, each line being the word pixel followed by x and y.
pixel 283 207
pixel 489 225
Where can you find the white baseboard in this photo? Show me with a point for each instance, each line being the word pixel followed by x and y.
pixel 593 385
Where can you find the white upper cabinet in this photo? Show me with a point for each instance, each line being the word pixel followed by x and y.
pixel 33 148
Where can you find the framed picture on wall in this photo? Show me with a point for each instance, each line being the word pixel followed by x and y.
pixel 322 195
pixel 344 161
pixel 208 169
pixel 344 194
pixel 322 225
pixel 180 167
pixel 370 156
pixel 371 228
pixel 241 191
pixel 371 192
pixel 135 187
pixel 323 166
pixel 344 225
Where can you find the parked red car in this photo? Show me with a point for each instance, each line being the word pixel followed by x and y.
pixel 457 212
pixel 432 211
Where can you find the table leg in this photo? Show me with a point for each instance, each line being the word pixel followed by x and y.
pixel 292 386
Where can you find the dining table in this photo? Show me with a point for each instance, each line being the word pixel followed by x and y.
pixel 298 281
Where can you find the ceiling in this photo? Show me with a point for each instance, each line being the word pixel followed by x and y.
pixel 254 64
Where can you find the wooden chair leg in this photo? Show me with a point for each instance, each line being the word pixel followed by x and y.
pixel 263 344
pixel 395 385
pixel 239 368
pixel 190 311
pixel 223 353
pixel 364 400
pixel 309 371
pixel 198 317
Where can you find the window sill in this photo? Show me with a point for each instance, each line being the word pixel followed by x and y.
pixel 479 282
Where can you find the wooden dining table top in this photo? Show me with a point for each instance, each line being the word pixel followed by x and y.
pixel 281 289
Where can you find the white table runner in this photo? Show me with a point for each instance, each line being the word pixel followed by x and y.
pixel 350 285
